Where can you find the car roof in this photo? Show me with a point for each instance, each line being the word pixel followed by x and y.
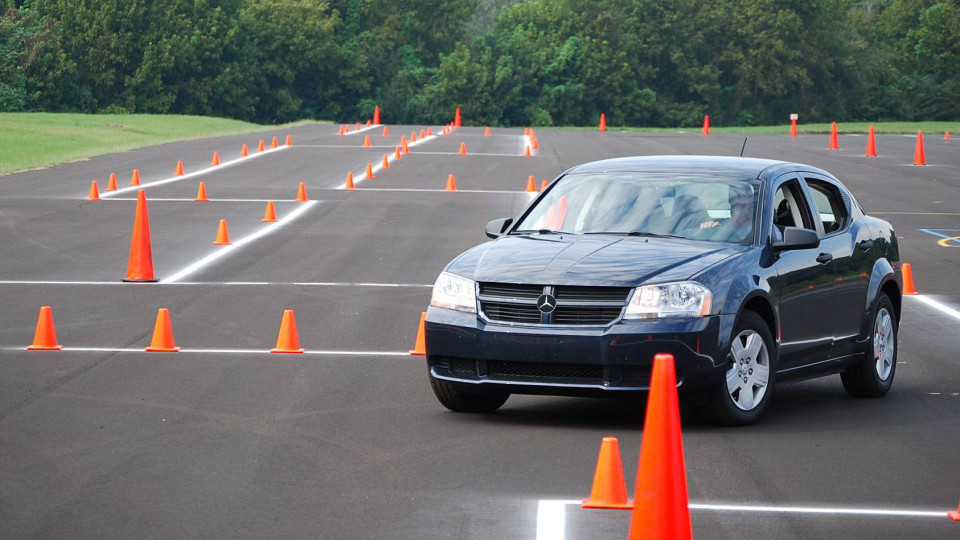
pixel 715 165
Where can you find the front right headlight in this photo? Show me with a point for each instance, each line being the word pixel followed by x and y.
pixel 454 292
pixel 681 299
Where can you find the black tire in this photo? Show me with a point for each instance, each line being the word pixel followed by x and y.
pixel 460 397
pixel 720 407
pixel 863 379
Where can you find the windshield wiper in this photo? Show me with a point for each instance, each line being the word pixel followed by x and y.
pixel 537 231
pixel 637 233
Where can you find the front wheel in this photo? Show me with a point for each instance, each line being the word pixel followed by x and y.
pixel 460 397
pixel 873 376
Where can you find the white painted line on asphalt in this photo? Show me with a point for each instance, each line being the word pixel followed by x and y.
pixel 362 175
pixel 188 199
pixel 145 185
pixel 934 304
pixel 468 154
pixel 551 519
pixel 225 250
pixel 226 351
pixel 217 283
pixel 361 130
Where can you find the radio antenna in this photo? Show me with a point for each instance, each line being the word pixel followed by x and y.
pixel 744 146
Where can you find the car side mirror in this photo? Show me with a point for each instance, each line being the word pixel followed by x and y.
pixel 495 228
pixel 797 238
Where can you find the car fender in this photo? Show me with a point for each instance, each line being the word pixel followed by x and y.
pixel 882 272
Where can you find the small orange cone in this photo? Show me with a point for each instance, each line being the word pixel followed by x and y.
pixel 140 263
pixel 135 178
pixel 526 132
pixel 358 127
pixel 45 336
pixel 340 131
pixel 456 118
pixel 202 193
pixel 451 183
pixel 420 346
pixel 162 334
pixel 424 134
pixel 385 163
pixel 396 154
pixel 706 124
pixel 112 182
pixel 403 145
pixel 376 115
pixel 366 141
pixel 288 341
pixel 908 287
pixel 368 122
pixel 260 146
pixel 871 144
pixel 429 131
pixel 463 149
pixel 301 193
pixel 954 516
pixel 386 131
pixel 609 487
pixel 273 143
pixel 946 135
pixel 94 192
pixel 223 235
pixel 270 214
pixel 531 184
pixel 244 152
pixel 544 184
pixel 413 136
pixel 486 132
pixel 834 140
pixel 919 157
pixel 536 145
pixel 179 171
pixel 603 122
pixel 288 141
pixel 216 159
pixel 661 505
pixel 369 171
pixel 350 182
pixel 527 153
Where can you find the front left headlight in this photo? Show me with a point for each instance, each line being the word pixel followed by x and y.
pixel 454 292
pixel 681 299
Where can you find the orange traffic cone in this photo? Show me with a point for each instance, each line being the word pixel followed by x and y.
pixel 369 171
pixel 463 149
pixel 202 193
pixel 244 152
pixel 386 131
pixel 376 115
pixel 486 132
pixel 526 132
pixel 609 487
pixel 216 159
pixel 871 144
pixel 919 157
pixel 94 192
pixel 350 182
pixel 396 154
pixel 793 127
pixel 270 214
pixel 403 144
pixel 420 346
pixel 385 164
pixel 451 183
pixel 273 143
pixel 112 182
pixel 424 133
pixel 368 122
pixel 223 235
pixel 288 141
pixel 179 171
pixel 429 132
pixel 706 124
pixel 288 341
pixel 413 136
pixel 260 146
pixel 340 131
pixel 135 178
pixel 946 135
pixel 140 263
pixel 301 193
pixel 834 140
pixel 45 336
pixel 527 153
pixel 544 184
pixel 162 334
pixel 661 502
pixel 456 118
pixel 366 141
pixel 908 287
pixel 954 516
pixel 531 184
pixel 535 145
pixel 603 122
pixel 358 127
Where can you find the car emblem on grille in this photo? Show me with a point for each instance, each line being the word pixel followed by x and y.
pixel 546 303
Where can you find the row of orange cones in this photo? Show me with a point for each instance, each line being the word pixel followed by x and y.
pixel 919 154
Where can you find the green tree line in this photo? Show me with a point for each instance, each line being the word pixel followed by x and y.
pixel 504 62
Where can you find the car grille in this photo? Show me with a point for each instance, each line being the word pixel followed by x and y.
pixel 532 371
pixel 516 303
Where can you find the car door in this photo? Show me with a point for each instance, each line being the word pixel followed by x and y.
pixel 805 281
pixel 850 244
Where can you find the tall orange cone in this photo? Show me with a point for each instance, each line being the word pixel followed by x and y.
pixel 661 503
pixel 531 184
pixel 871 144
pixel 386 131
pixel 527 153
pixel 270 214
pixel 706 125
pixel 463 149
pixel 420 346
pixel 451 183
pixel 287 340
pixel 202 193
pixel 366 141
pixel 260 146
pixel 908 287
pixel 385 164
pixel 140 263
pixel 834 140
pixel 135 178
pixel 288 141
pixel 369 171
pixel 45 336
pixel 456 118
pixel 603 122
pixel 954 516
pixel 486 132
pixel 609 486
pixel 349 182
pixel 94 192
pixel 919 157
pixel 223 235
pixel 179 171
pixel 112 182
pixel 301 193
pixel 162 334
pixel 376 115
pixel 273 143
pixel 244 152
pixel 216 158
pixel 793 127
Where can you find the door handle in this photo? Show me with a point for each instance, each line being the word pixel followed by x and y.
pixel 824 258
pixel 865 245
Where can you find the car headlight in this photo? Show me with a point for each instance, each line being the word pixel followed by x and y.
pixel 682 299
pixel 454 292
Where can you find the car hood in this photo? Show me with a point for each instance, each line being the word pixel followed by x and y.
pixel 601 260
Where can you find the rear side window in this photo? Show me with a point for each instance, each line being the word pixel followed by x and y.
pixel 828 203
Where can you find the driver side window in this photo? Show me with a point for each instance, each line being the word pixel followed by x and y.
pixel 789 209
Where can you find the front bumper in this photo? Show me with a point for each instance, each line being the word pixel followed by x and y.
pixel 578 360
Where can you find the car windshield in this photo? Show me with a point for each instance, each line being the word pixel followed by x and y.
pixel 698 207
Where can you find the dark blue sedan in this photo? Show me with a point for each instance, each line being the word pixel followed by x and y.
pixel 750 272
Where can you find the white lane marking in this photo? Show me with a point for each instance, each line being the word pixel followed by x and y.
pixel 227 351
pixel 527 142
pixel 469 154
pixel 361 130
pixel 551 519
pixel 934 304
pixel 225 250
pixel 362 175
pixel 218 283
pixel 187 199
pixel 145 185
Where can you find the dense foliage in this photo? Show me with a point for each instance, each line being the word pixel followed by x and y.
pixel 537 62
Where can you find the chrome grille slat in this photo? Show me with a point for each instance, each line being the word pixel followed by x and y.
pixel 576 305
